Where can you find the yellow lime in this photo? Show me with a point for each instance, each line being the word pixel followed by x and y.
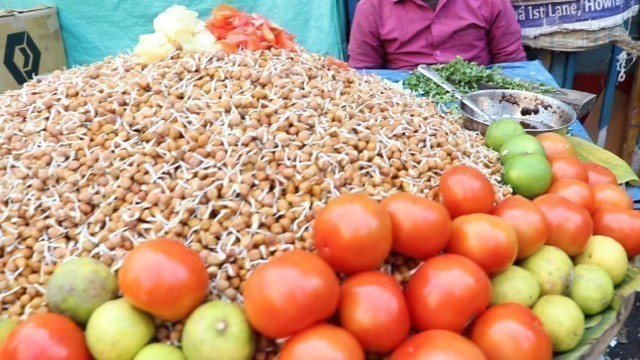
pixel 117 330
pixel 562 319
pixel 528 175
pixel 502 130
pixel 514 285
pixel 519 145
pixel 591 288
pixel 552 268
pixel 606 253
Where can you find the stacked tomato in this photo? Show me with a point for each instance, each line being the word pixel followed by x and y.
pixel 236 30
pixel 336 303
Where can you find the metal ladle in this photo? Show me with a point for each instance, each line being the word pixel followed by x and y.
pixel 435 77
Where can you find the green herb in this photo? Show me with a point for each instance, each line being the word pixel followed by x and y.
pixel 466 76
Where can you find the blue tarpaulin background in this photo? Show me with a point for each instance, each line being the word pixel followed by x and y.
pixel 94 29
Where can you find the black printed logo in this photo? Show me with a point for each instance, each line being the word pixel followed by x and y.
pixel 21 56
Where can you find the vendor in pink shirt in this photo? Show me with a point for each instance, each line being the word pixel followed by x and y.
pixel 402 34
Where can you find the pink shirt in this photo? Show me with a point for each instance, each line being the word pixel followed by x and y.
pixel 402 34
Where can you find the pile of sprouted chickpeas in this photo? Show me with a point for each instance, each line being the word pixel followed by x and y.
pixel 234 154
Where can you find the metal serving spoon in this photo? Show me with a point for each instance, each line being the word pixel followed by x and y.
pixel 428 72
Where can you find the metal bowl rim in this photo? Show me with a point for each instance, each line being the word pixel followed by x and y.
pixel 551 100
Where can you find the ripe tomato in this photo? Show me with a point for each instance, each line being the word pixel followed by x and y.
pixel 372 307
pixel 438 344
pixel 612 195
pixel 447 292
pixel 421 227
pixel 290 293
pixel 599 174
pixel 576 191
pixel 508 329
pixel 620 224
pixel 464 190
pixel 528 222
pixel 353 233
pixel 164 278
pixel 555 144
pixel 570 226
pixel 567 167
pixel 321 342
pixel 488 240
pixel 45 337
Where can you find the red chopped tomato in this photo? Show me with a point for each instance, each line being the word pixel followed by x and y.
pixel 284 40
pixel 227 47
pixel 238 30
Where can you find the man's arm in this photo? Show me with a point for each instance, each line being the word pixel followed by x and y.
pixel 505 34
pixel 365 46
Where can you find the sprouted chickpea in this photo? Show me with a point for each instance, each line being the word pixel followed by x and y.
pixel 232 154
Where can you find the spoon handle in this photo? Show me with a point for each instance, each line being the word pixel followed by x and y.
pixel 434 76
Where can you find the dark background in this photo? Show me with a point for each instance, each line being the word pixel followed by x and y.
pixel 628 339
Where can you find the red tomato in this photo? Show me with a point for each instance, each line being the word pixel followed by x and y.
pixel 421 227
pixel 528 222
pixel 438 344
pixel 322 342
pixel 372 307
pixel 620 224
pixel 464 190
pixel 567 167
pixel 290 293
pixel 488 240
pixel 570 226
pixel 576 191
pixel 45 337
pixel 447 292
pixel 555 144
pixel 353 233
pixel 612 195
pixel 599 174
pixel 164 278
pixel 508 329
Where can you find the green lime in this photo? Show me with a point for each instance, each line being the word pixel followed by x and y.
pixel 591 288
pixel 552 268
pixel 116 330
pixel 528 175
pixel 515 285
pixel 518 145
pixel 606 253
pixel 502 130
pixel 159 351
pixel 562 319
pixel 6 326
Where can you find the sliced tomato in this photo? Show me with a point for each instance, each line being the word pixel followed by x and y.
pixel 227 47
pixel 237 37
pixel 267 34
pixel 254 44
pixel 284 40
pixel 241 19
pixel 218 31
pixel 223 14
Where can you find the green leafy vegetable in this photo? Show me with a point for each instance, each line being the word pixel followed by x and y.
pixel 467 76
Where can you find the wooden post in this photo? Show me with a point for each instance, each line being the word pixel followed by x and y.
pixel 633 125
